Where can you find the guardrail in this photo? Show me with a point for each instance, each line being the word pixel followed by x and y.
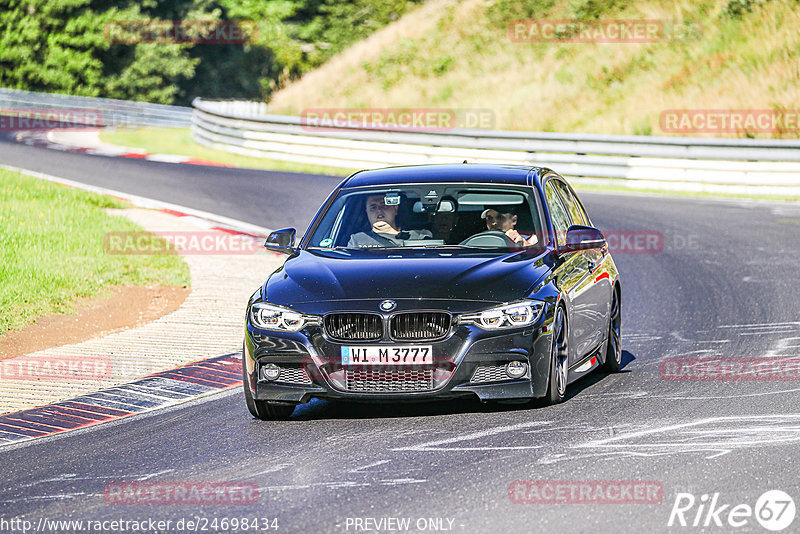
pixel 109 112
pixel 744 166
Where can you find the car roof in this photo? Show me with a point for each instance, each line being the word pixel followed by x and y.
pixel 446 173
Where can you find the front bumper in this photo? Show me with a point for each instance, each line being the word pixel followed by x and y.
pixel 314 364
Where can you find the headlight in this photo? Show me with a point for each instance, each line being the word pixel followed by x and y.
pixel 271 317
pixel 515 315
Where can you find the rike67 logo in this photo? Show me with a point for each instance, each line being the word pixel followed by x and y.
pixel 774 510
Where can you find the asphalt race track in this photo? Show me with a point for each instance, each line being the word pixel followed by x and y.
pixel 722 283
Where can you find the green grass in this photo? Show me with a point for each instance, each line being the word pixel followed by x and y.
pixel 179 141
pixel 458 54
pixel 53 250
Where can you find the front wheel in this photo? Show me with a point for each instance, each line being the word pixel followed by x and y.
pixel 613 345
pixel 557 385
pixel 264 410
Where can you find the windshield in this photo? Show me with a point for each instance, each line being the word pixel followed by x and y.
pixel 430 216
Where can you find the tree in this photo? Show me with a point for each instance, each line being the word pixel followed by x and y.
pixel 73 46
pixel 62 46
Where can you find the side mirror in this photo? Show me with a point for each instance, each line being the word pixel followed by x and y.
pixel 281 241
pixel 582 238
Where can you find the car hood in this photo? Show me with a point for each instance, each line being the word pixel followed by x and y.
pixel 311 277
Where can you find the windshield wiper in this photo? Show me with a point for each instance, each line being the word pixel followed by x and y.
pixel 346 248
pixel 471 247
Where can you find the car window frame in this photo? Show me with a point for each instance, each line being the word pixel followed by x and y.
pixel 580 205
pixel 530 195
pixel 568 199
pixel 316 222
pixel 554 234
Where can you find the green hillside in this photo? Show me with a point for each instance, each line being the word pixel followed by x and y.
pixel 729 54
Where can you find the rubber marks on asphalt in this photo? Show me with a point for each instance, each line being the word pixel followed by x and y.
pixel 155 391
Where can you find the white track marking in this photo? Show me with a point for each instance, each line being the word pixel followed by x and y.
pixel 738 432
pixel 678 336
pixel 760 325
pixel 374 464
pixel 678 426
pixel 719 397
pixel 153 475
pixel 401 481
pixel 436 445
pixel 273 469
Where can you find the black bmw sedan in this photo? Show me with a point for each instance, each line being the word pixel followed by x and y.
pixel 432 282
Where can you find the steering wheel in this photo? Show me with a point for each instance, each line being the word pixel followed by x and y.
pixel 489 239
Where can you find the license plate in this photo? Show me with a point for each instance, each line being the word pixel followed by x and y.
pixel 387 355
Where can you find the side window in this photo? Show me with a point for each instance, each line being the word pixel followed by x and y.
pixel 583 210
pixel 573 206
pixel 557 213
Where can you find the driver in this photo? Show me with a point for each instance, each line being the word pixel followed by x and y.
pixel 384 231
pixel 505 221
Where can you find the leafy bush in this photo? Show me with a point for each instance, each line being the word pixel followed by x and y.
pixel 60 46
pixel 63 46
pixel 737 8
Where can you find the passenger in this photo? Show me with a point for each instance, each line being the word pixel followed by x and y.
pixel 384 231
pixel 505 221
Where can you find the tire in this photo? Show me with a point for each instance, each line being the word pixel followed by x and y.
pixel 557 384
pixel 613 344
pixel 264 410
